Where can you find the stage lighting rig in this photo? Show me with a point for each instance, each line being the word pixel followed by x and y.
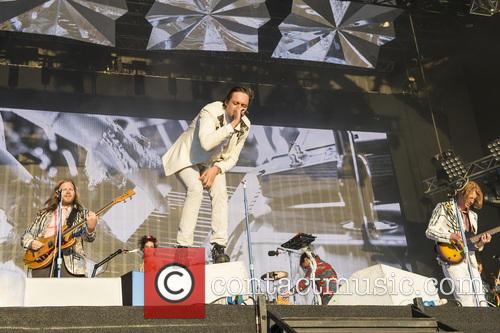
pixel 449 168
pixel 451 173
pixel 494 148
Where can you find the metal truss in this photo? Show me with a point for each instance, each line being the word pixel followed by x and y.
pixel 484 7
pixel 475 170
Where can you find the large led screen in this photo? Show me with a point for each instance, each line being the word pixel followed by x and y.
pixel 337 185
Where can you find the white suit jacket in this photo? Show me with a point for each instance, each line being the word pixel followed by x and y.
pixel 207 140
pixel 443 222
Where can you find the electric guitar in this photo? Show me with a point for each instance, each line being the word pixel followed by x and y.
pixel 44 255
pixel 454 253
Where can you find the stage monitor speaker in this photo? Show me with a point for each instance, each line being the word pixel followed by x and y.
pixel 384 285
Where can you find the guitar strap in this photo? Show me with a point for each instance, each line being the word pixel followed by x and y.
pixel 72 216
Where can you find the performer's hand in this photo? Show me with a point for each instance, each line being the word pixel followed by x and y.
pixel 208 176
pixel 485 239
pixel 36 245
pixel 91 221
pixel 455 238
pixel 238 113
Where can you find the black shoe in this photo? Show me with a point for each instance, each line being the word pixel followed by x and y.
pixel 218 255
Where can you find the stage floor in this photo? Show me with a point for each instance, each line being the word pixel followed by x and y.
pixel 221 318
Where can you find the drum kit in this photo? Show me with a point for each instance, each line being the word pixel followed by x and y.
pixel 274 278
pixel 300 241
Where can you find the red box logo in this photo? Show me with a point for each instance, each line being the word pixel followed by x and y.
pixel 174 283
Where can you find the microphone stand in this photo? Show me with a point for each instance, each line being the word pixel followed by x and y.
pixel 458 215
pixel 105 260
pixel 258 320
pixel 290 261
pixel 249 240
pixel 59 233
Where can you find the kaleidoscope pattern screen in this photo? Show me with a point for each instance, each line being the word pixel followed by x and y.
pixel 206 25
pixel 88 21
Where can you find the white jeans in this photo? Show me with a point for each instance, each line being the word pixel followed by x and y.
pixel 459 277
pixel 194 195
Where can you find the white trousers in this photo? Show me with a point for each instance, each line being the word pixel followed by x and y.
pixel 459 278
pixel 194 195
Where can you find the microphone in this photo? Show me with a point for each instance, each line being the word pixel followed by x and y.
pixel 59 195
pixel 273 253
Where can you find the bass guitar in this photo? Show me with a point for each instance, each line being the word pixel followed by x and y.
pixel 454 253
pixel 44 255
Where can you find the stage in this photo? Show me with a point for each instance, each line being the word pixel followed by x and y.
pixel 233 318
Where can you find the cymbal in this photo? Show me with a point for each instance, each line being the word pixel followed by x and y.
pixel 274 276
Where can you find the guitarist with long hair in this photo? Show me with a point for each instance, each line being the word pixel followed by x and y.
pixel 445 230
pixel 42 233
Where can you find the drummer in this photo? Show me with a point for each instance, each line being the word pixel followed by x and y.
pixel 326 277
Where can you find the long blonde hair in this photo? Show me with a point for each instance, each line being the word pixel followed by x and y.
pixel 470 187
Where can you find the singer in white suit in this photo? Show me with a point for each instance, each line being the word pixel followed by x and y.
pixel 200 158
